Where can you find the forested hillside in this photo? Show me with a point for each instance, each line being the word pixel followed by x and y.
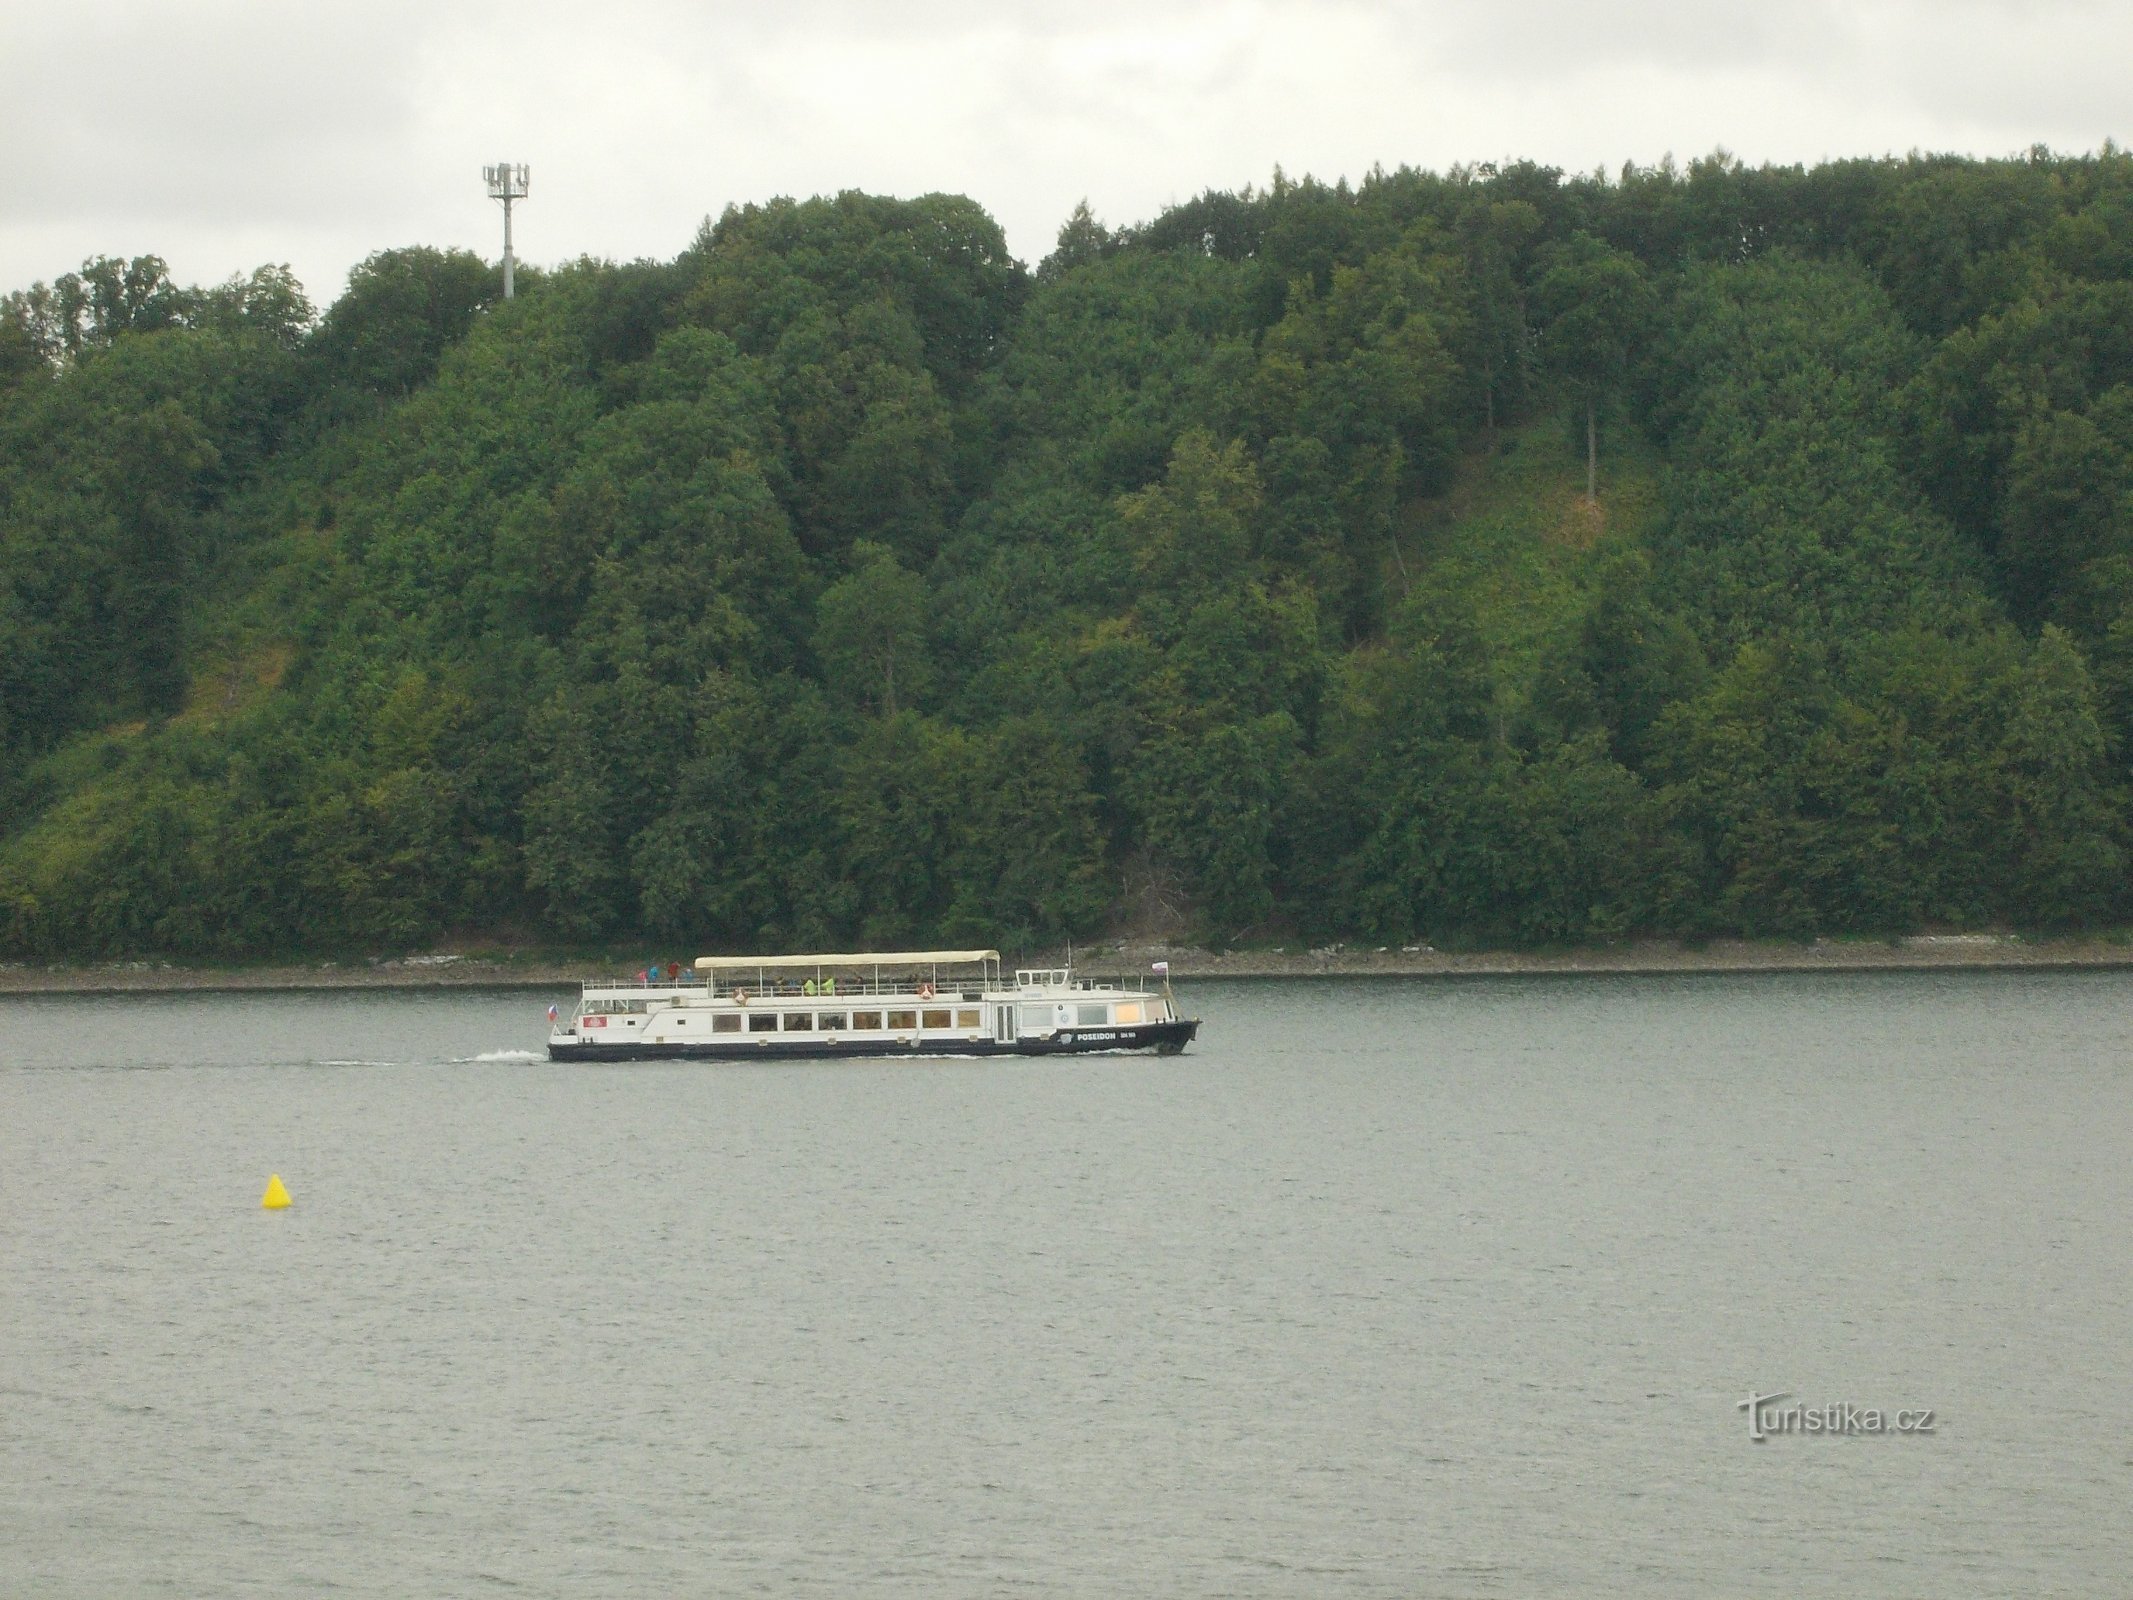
pixel 1486 557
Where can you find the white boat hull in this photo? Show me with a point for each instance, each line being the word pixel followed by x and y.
pixel 1161 1038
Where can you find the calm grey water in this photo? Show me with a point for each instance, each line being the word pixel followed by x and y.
pixel 1388 1288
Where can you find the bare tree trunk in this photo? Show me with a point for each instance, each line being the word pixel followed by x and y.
pixel 1592 453
pixel 1488 403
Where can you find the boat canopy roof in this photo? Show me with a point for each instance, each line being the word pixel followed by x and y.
pixel 898 958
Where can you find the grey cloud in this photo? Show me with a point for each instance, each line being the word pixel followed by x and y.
pixel 240 112
pixel 1521 38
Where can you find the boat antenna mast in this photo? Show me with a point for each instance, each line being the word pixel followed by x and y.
pixel 506 184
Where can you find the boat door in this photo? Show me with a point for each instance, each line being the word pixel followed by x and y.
pixel 1003 1024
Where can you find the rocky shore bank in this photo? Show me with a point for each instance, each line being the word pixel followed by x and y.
pixel 536 971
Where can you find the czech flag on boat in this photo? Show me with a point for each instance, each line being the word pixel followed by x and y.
pixel 551 1013
pixel 1163 967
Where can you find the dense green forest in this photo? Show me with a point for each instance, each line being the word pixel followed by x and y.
pixel 1499 556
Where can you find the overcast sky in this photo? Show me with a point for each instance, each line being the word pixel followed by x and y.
pixel 222 134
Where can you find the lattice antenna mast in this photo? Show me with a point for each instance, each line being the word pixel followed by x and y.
pixel 506 184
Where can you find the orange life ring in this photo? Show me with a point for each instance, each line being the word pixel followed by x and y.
pixel 740 997
pixel 925 991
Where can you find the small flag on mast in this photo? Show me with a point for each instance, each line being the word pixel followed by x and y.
pixel 1163 967
pixel 551 1013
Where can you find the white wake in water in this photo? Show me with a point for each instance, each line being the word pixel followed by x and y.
pixel 500 1055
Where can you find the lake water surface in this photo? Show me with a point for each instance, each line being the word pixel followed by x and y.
pixel 1389 1287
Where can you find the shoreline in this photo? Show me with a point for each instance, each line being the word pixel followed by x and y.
pixel 1934 952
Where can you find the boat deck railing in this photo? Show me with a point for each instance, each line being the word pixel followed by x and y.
pixel 854 987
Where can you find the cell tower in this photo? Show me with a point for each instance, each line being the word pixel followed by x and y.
pixel 506 183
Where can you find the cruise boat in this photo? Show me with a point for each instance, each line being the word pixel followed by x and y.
pixel 909 1003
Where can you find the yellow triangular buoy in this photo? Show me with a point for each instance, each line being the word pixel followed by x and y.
pixel 276 1196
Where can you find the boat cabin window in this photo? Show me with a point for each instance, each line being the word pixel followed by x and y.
pixel 762 1022
pixel 830 1021
pixel 966 1019
pixel 1036 1019
pixel 1127 1011
pixel 936 1019
pixel 902 1021
pixel 868 1020
pixel 1091 1016
pixel 726 1022
pixel 799 1021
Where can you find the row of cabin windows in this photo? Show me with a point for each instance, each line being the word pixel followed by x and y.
pixel 1033 1018
pixel 837 1021
pixel 1042 1018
